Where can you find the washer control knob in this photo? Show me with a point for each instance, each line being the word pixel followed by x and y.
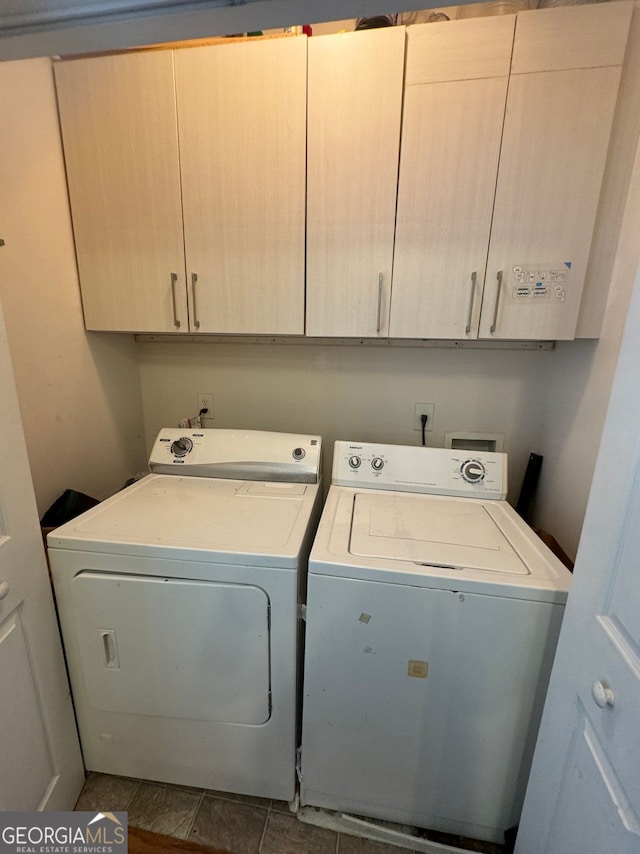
pixel 299 453
pixel 181 446
pixel 355 462
pixel 377 463
pixel 472 471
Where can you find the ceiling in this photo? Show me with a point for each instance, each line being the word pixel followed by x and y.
pixel 47 27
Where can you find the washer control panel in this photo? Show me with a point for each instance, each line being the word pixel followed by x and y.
pixel 405 468
pixel 473 471
pixel 237 454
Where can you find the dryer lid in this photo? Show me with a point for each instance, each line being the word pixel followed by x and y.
pixel 434 531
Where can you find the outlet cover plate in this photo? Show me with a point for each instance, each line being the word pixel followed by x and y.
pixel 418 410
pixel 205 401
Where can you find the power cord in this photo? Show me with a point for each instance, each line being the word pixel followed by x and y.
pixel 423 420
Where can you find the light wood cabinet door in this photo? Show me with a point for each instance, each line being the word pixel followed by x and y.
pixel 118 123
pixel 456 89
pixel 354 112
pixel 241 115
pixel 562 94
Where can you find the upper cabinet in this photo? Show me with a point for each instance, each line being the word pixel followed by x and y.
pixel 354 112
pixel 563 88
pixel 440 181
pixel 242 131
pixel 120 138
pixel 225 146
pixel 455 94
pixel 501 164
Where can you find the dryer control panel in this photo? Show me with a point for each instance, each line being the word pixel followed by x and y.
pixel 406 468
pixel 237 454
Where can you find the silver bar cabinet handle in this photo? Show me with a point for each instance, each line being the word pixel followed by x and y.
pixel 474 278
pixel 495 311
pixel 174 281
pixel 194 282
pixel 380 285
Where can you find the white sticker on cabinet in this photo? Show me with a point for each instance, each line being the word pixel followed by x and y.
pixel 540 281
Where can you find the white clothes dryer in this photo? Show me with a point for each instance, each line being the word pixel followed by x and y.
pixel 433 613
pixel 179 602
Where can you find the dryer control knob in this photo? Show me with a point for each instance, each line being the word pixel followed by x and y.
pixel 377 463
pixel 181 446
pixel 472 471
pixel 355 462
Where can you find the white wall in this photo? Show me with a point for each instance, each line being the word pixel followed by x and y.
pixel 582 371
pixel 350 392
pixel 79 393
pixel 580 383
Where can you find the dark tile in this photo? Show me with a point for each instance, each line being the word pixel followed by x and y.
pixel 461 842
pixel 240 799
pixel 479 845
pixel 357 845
pixel 286 835
pixel 281 806
pixel 164 810
pixel 229 826
pixel 180 788
pixel 106 793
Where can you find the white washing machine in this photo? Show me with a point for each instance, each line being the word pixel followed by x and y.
pixel 433 613
pixel 179 602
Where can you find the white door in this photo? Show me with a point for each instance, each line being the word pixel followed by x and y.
pixel 141 657
pixel 41 765
pixel 584 790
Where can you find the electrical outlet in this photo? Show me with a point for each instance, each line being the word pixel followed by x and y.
pixel 420 409
pixel 205 401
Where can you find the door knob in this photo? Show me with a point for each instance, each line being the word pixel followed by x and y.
pixel 602 695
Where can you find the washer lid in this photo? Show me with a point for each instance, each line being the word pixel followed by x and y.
pixel 433 531
pixel 195 518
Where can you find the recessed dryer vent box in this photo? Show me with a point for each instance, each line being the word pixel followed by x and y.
pixel 466 440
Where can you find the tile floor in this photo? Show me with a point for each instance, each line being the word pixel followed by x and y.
pixel 238 824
